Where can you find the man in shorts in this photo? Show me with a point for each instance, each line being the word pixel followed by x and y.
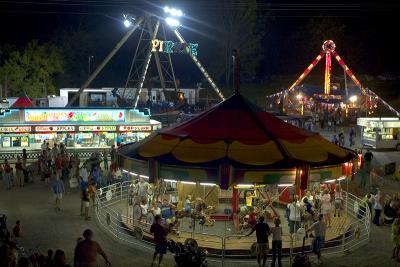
pixel 160 239
pixel 262 231
pixel 319 228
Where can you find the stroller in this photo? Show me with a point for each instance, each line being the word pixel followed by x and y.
pixel 188 254
pixel 301 259
pixel 3 227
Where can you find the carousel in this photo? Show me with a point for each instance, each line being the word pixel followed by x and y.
pixel 216 173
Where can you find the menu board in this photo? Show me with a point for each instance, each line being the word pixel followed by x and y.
pixel 104 128
pixel 135 128
pixel 15 129
pixel 55 128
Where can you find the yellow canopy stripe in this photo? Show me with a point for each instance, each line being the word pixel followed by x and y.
pixel 192 152
pixel 157 146
pixel 264 154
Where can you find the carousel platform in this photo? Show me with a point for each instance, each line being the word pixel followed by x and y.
pixel 223 236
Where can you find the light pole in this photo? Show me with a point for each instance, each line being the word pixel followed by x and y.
pixel 89 61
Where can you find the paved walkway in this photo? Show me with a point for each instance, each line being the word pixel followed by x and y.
pixel 45 228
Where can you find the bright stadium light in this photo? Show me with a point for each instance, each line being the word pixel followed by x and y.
pixel 172 22
pixel 127 23
pixel 173 11
pixel 353 98
pixel 128 19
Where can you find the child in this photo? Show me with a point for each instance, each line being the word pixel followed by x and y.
pixel 17 229
pixel 308 214
pixel 92 191
pixel 86 203
pixel 252 217
pixel 276 243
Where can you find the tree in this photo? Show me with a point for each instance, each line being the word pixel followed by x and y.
pixel 239 27
pixel 32 70
pixel 76 46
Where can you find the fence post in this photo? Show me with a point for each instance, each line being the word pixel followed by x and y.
pixel 223 240
pixel 291 249
pixel 343 240
pixel 120 192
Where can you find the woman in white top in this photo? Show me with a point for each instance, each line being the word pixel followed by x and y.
pixel 326 207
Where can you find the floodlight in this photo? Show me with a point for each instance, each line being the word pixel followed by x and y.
pixel 127 23
pixel 128 19
pixel 172 22
pixel 299 96
pixel 353 98
pixel 173 11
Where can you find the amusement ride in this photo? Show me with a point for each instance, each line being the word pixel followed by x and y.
pixel 329 52
pixel 151 45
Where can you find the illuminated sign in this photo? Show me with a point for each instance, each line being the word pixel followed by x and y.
pixel 170 47
pixel 16 129
pixel 97 128
pixel 55 128
pixel 74 115
pixel 135 128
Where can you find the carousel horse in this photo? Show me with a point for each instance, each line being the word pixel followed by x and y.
pixel 268 201
pixel 206 220
pixel 210 210
pixel 201 212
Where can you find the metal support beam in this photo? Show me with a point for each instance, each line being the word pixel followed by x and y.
pixel 105 61
pixel 145 67
pixel 201 68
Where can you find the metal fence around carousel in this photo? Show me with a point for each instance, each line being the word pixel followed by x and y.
pixel 111 199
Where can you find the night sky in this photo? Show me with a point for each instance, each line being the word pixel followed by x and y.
pixel 373 25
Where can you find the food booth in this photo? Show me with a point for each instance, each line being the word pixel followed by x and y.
pixel 380 133
pixel 76 128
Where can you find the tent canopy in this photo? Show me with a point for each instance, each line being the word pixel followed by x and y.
pixel 23 102
pixel 237 133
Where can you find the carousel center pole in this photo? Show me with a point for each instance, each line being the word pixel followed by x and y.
pixel 236 73
pixel 236 62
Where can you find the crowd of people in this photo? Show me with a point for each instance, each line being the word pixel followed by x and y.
pixel 57 164
pixel 62 172
pixel 85 254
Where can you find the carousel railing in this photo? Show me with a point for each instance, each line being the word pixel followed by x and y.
pixel 110 216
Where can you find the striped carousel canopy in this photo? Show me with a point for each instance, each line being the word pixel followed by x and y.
pixel 237 133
